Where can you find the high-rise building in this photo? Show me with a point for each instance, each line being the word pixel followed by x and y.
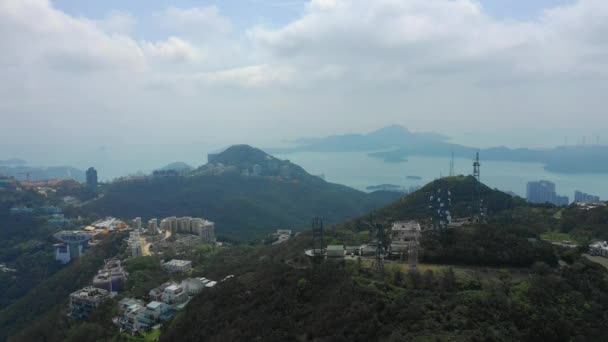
pixel 581 197
pixel 92 178
pixel 153 227
pixel 544 192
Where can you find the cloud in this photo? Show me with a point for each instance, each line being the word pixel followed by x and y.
pixel 250 76
pixel 117 22
pixel 172 49
pixel 199 21
pixel 388 39
pixel 33 34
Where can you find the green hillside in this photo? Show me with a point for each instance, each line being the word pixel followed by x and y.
pixel 242 206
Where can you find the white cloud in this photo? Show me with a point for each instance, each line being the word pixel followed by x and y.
pixel 33 34
pixel 117 22
pixel 172 49
pixel 196 21
pixel 249 76
pixel 429 36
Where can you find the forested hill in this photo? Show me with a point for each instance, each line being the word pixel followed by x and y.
pixel 465 193
pixel 246 192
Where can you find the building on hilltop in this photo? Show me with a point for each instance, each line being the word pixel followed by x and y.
pixel 84 301
pixel 544 192
pixel 190 225
pixel 581 197
pixel 72 244
pixel 174 294
pixel 404 236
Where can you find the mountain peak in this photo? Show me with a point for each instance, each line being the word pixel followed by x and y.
pixel 239 154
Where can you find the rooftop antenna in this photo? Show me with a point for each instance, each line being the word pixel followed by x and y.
pixel 452 165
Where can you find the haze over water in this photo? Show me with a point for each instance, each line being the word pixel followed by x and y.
pixel 358 170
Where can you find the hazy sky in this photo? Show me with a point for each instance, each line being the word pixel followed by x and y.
pixel 85 77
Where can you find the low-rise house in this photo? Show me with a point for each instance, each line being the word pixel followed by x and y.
pixel 174 294
pixel 84 301
pixel 112 277
pixel 156 294
pixel 158 311
pixel 133 317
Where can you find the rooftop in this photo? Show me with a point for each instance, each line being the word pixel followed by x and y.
pixel 335 248
pixel 175 262
pixel 154 305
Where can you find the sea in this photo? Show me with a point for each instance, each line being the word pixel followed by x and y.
pixel 353 169
pixel 358 170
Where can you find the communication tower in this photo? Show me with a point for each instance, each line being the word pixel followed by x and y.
pixel 380 249
pixel 476 166
pixel 440 203
pixel 318 244
pixel 452 165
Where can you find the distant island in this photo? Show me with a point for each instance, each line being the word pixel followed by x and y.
pixel 394 144
pixel 385 187
pixel 414 177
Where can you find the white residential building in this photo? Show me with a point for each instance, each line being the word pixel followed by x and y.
pixel 174 294
pixel 178 266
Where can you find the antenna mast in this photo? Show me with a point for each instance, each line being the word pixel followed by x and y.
pixel 452 165
pixel 317 237
pixel 476 166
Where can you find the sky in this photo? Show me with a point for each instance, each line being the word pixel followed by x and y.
pixel 122 80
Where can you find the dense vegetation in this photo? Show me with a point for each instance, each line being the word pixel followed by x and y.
pixel 52 294
pixel 242 207
pixel 272 300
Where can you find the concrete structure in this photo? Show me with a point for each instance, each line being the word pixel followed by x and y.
pixel 178 266
pixel 158 311
pixel 404 238
pixel 138 318
pixel 599 248
pixel 335 251
pixel 135 244
pixel 193 286
pixel 112 277
pixel 152 227
pixel 73 244
pixel 405 230
pixel 133 317
pixel 84 301
pixel 156 293
pixel 137 223
pixel 92 178
pixel 581 197
pixel 190 225
pixel 544 192
pixel 174 294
